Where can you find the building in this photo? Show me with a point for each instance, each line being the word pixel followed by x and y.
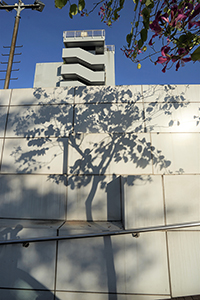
pixel 86 61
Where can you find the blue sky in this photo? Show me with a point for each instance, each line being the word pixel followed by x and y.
pixel 41 37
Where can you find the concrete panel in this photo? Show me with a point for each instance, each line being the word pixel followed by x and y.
pixel 14 294
pixel 1 144
pixel 41 155
pixel 190 92
pixel 81 265
pixel 143 201
pixel 145 264
pixel 110 154
pixel 187 119
pixel 94 198
pixel 109 118
pixel 3 116
pixel 171 93
pixel 31 96
pixel 31 267
pixel 184 262
pixel 43 96
pixel 40 121
pixel 109 94
pixel 92 296
pixel 181 150
pixel 118 264
pixel 47 74
pixel 32 197
pixel 5 97
pixel 182 198
pixel 172 117
pixel 63 95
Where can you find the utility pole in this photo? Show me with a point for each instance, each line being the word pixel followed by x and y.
pixel 39 6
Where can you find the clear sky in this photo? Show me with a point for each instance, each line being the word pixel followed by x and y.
pixel 41 37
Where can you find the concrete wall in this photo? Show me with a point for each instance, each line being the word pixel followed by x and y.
pixel 93 159
pixel 48 74
pixel 110 67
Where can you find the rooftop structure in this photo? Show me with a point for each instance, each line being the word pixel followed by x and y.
pixel 86 61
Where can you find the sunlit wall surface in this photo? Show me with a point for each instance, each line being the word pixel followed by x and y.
pixel 80 160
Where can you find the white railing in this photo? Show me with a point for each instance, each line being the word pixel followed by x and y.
pixel 135 233
pixel 83 33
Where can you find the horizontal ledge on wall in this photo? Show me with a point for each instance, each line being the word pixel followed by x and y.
pixel 135 232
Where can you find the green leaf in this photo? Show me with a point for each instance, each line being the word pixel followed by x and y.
pixel 132 30
pixel 146 13
pixel 196 54
pixel 109 23
pixel 121 3
pixel 140 44
pixel 146 24
pixel 149 3
pixel 109 3
pixel 73 9
pixel 81 5
pixel 60 3
pixel 129 38
pixel 116 15
pixel 183 39
pixel 143 34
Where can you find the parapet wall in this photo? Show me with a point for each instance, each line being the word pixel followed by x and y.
pixel 93 159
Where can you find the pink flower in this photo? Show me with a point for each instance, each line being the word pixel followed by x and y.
pixel 162 59
pixel 181 60
pixel 180 18
pixel 195 13
pixel 165 58
pixel 165 50
pixel 177 65
pixel 150 42
pixel 155 25
pixel 191 24
pixel 165 19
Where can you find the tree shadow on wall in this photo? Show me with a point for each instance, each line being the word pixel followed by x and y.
pixel 92 161
pixel 122 146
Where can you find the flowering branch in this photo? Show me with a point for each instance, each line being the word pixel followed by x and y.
pixel 174 24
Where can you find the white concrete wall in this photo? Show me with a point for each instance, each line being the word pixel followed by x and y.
pixel 48 75
pixel 110 67
pixel 90 159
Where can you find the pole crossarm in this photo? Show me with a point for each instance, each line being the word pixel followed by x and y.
pixel 11 7
pixel 37 5
pixel 135 232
